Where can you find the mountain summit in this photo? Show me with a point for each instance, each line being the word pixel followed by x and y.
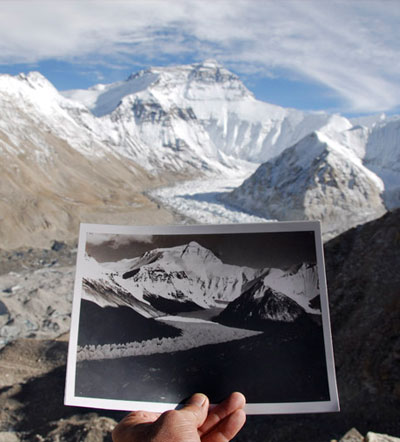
pixel 197 117
pixel 166 124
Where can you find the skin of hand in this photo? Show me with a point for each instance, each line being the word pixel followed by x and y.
pixel 195 422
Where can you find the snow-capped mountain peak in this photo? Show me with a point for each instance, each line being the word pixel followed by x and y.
pixel 36 81
pixel 317 178
pixel 196 117
pixel 103 99
pixel 190 277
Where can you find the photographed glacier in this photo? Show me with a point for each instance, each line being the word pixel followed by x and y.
pixel 202 309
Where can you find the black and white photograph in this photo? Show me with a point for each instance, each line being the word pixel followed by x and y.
pixel 162 312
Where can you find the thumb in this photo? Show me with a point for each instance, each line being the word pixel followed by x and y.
pixel 197 406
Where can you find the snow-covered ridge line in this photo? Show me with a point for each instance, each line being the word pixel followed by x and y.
pixel 200 106
pixel 197 117
pixel 188 275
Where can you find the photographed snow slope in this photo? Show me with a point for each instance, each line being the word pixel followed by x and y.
pixel 197 303
pixel 191 277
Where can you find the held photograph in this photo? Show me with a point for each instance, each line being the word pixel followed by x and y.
pixel 162 312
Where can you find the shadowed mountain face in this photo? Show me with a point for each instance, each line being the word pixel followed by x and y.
pixel 363 272
pixel 110 325
pixel 259 305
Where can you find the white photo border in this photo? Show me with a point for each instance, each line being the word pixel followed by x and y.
pixel 251 408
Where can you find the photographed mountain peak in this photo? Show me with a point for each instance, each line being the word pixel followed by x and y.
pixel 191 277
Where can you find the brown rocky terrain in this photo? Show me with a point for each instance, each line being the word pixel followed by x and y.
pixel 57 172
pixel 364 286
pixel 44 200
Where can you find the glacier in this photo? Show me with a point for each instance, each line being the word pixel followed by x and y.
pixel 187 129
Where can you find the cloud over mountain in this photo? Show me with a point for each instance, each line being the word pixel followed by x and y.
pixel 348 48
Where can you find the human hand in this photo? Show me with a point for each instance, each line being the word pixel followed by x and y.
pixel 192 423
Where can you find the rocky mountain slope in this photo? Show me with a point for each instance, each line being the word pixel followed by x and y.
pixel 317 178
pixel 259 305
pixel 56 172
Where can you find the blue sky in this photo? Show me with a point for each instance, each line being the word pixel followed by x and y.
pixel 340 56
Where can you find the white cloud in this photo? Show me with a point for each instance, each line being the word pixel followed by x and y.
pixel 349 46
pixel 116 240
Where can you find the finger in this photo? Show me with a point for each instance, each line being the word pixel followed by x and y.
pixel 140 417
pixel 236 401
pixel 136 422
pixel 197 408
pixel 227 428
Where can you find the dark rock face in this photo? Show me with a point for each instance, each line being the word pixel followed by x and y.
pixel 117 325
pixel 258 306
pixel 363 272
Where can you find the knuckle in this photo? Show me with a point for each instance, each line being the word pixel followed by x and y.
pixel 171 415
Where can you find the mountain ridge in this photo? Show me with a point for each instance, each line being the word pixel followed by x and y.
pixel 168 124
pixel 190 277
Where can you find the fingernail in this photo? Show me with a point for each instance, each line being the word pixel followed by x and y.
pixel 198 399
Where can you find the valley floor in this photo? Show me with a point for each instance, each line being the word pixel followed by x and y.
pixel 253 365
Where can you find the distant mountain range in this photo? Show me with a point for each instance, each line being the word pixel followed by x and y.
pixel 191 278
pixel 67 156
